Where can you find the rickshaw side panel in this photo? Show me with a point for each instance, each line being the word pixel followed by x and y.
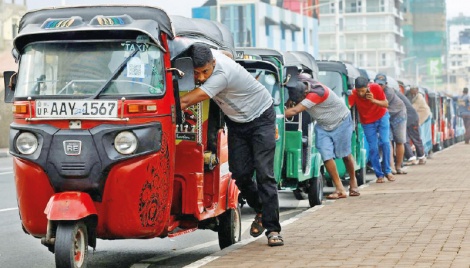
pixel 33 191
pixel 140 191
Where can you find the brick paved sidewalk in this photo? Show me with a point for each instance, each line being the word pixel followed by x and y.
pixel 420 220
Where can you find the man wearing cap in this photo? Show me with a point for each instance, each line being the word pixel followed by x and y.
pixel 371 104
pixel 398 115
pixel 464 111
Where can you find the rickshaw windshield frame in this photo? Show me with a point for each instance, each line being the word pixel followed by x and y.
pixel 78 69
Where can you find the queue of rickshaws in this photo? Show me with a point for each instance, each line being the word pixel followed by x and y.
pixel 100 147
pixel 297 161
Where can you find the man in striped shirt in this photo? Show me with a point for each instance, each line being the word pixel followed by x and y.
pixel 333 129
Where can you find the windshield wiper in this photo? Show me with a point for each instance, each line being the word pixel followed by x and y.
pixel 114 75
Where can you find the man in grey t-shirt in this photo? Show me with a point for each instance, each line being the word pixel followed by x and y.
pixel 250 119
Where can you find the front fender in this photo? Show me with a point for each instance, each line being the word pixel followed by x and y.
pixel 69 206
pixel 232 195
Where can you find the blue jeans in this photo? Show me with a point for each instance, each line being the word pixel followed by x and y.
pixel 377 133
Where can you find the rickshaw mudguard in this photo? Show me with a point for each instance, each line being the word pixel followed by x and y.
pixel 232 195
pixel 69 206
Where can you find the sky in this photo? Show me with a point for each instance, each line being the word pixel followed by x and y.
pixel 183 7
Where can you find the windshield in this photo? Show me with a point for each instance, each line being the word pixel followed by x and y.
pixel 269 80
pixel 333 80
pixel 83 68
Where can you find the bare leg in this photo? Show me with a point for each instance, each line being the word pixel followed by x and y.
pixel 392 157
pixel 349 163
pixel 331 168
pixel 400 148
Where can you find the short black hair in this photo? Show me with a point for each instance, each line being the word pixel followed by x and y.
pixel 465 90
pixel 201 55
pixel 361 82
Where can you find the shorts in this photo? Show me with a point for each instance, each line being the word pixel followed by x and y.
pixel 335 143
pixel 398 129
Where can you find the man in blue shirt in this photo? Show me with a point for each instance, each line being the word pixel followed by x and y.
pixel 464 112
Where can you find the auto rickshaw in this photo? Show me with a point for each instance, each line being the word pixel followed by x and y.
pixel 433 100
pixel 449 115
pixel 100 148
pixel 340 77
pixel 297 161
pixel 458 122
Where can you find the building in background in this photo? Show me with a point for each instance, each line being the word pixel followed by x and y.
pixel 459 54
pixel 366 33
pixel 426 41
pixel 264 24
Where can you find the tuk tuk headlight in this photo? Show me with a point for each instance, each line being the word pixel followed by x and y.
pixel 125 142
pixel 27 143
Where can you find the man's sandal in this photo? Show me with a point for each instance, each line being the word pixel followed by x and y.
pixel 353 192
pixel 257 227
pixel 380 180
pixel 390 177
pixel 275 239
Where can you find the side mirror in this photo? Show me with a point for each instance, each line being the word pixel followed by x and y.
pixel 185 74
pixel 291 73
pixel 9 79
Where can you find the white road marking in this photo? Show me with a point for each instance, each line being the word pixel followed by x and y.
pixel 7 209
pixel 5 173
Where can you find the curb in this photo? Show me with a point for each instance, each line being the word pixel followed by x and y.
pixel 4 153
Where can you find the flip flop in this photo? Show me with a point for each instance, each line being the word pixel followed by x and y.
pixel 256 225
pixel 275 239
pixel 390 177
pixel 337 195
pixel 401 172
pixel 353 192
pixel 380 180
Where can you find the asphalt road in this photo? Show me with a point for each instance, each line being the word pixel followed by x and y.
pixel 18 249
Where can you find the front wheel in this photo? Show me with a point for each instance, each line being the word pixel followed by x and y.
pixel 315 191
pixel 230 230
pixel 71 245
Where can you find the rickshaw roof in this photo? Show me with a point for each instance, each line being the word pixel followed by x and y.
pixel 51 22
pixel 392 83
pixel 339 66
pixel 201 30
pixel 302 59
pixel 261 52
pixel 259 64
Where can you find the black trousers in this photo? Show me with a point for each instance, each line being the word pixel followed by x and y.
pixel 412 131
pixel 251 148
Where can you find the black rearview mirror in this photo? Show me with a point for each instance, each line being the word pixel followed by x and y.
pixel 186 74
pixel 290 77
pixel 9 79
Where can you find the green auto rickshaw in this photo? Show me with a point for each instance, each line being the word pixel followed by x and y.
pixel 339 77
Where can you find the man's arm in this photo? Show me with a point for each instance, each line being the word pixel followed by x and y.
pixel 295 110
pixel 193 97
pixel 381 103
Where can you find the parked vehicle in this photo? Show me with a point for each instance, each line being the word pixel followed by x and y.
pixel 297 161
pixel 340 77
pixel 449 115
pixel 458 123
pixel 434 103
pixel 100 148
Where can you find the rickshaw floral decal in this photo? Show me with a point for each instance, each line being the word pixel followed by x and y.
pixel 154 194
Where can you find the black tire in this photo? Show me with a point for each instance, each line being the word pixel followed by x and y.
pixel 361 176
pixel 229 230
pixel 315 191
pixel 71 245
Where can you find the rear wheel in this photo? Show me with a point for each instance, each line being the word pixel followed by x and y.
pixel 71 245
pixel 230 230
pixel 315 191
pixel 361 176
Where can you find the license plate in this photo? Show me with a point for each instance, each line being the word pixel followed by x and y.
pixel 76 108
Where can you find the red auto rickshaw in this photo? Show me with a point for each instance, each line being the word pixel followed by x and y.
pixel 100 146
